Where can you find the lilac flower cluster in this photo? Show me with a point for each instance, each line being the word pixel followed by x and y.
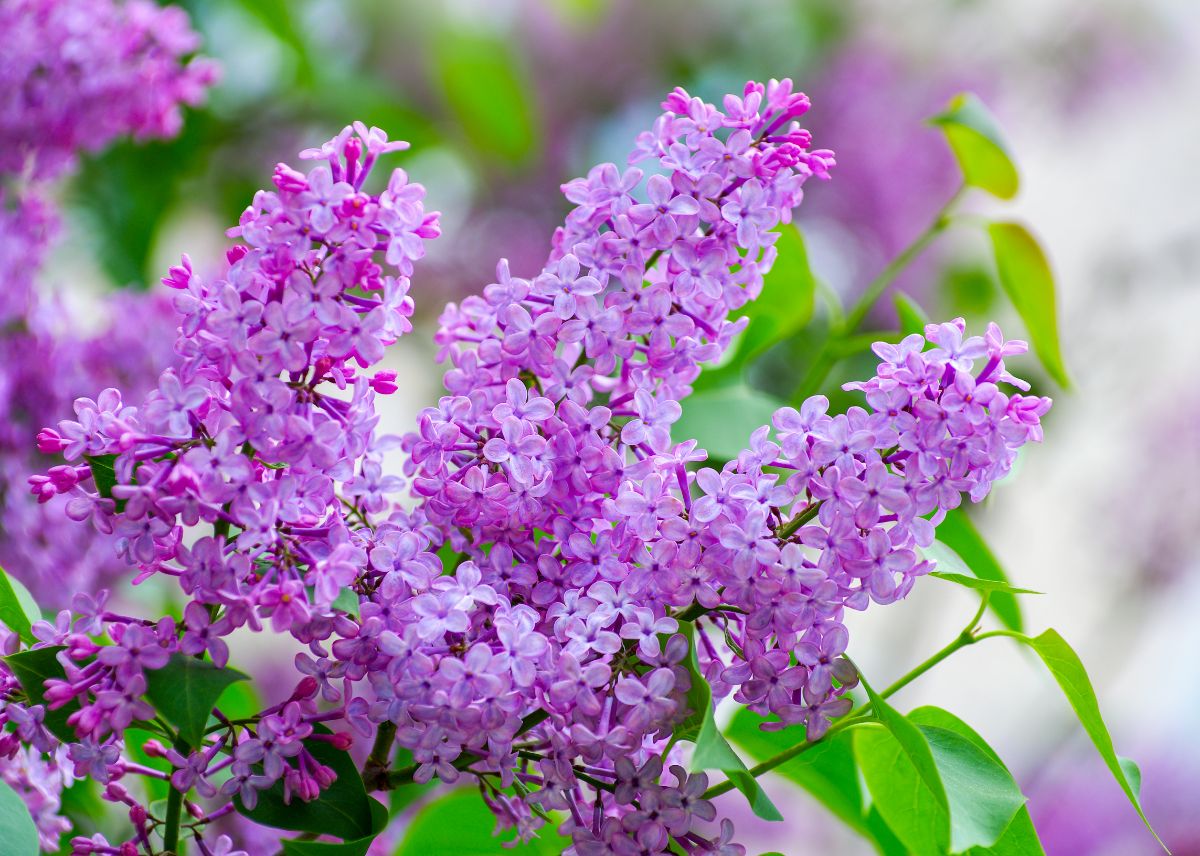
pixel 79 73
pixel 74 75
pixel 567 574
pixel 263 427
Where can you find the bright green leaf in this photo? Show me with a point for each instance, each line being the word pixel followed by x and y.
pixel 787 299
pixel 1068 671
pixel 982 794
pixel 1020 838
pixel 713 752
pixel 981 152
pixel 344 809
pixel 33 668
pixel 17 829
pixel 914 812
pixel 699 697
pixel 460 823
pixel 912 317
pixel 18 609
pixel 347 601
pixel 488 94
pixel 722 420
pixel 959 534
pixel 826 770
pixel 1027 279
pixel 184 692
pixel 990 586
pixel 911 742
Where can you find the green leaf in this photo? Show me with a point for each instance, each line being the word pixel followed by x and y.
pixel 787 299
pixel 460 823
pixel 909 807
pixel 784 307
pixel 827 769
pixel 347 601
pixel 343 810
pixel 33 668
pixel 1020 838
pixel 184 692
pixel 17 829
pixel 990 586
pixel 912 317
pixel 488 94
pixel 723 419
pixel 104 474
pixel 959 534
pixel 18 609
pixel 713 752
pixel 358 847
pixel 699 697
pixel 982 794
pixel 974 137
pixel 903 779
pixel 1068 671
pixel 1027 279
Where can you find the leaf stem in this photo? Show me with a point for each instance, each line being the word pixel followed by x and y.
pixel 826 360
pixel 861 714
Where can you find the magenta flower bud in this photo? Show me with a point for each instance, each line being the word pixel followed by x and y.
pixel 137 814
pixel 154 748
pixel 49 442
pixel 305 689
pixel 384 382
pixel 180 275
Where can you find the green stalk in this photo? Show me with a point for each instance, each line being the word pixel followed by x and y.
pixel 862 714
pixel 174 812
pixel 826 360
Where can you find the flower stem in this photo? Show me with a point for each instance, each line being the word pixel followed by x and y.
pixel 174 812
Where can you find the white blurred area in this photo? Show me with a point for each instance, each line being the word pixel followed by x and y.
pixel 1104 518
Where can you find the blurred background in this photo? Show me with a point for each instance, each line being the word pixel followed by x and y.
pixel 503 101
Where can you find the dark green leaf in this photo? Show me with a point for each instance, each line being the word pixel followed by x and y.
pixel 1020 838
pixel 460 823
pixel 33 668
pixel 488 94
pixel 912 317
pixel 18 609
pixel 104 474
pixel 184 692
pixel 17 829
pixel 714 753
pixel 975 139
pixel 1027 279
pixel 959 534
pixel 1068 671
pixel 343 810
pixel 358 847
pixel 723 419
